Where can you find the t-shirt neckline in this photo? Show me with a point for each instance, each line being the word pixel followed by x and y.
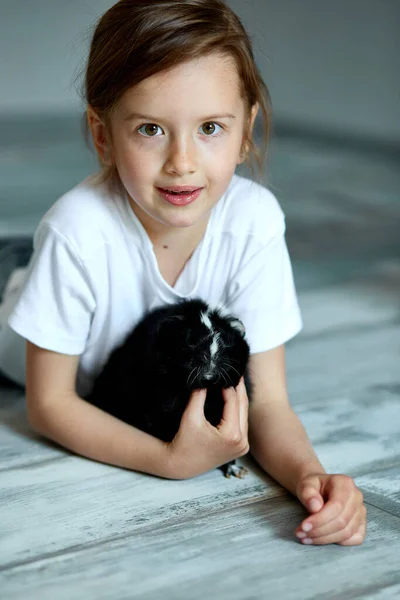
pixel 150 258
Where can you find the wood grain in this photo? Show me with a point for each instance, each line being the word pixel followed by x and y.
pixel 245 553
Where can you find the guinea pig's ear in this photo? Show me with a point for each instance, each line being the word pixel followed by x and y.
pixel 238 325
pixel 168 321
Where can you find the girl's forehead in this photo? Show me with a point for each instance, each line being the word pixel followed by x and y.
pixel 210 83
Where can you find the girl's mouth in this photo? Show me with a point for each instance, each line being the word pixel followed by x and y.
pixel 180 198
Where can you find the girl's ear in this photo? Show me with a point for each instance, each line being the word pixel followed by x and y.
pixel 98 130
pixel 249 133
pixel 253 115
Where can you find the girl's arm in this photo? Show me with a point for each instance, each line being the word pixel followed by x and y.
pixel 58 413
pixel 279 443
pixel 278 440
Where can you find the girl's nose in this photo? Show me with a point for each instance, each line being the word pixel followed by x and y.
pixel 182 157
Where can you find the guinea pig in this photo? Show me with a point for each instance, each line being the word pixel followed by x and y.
pixel 174 350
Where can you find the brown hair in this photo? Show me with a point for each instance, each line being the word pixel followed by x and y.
pixel 135 39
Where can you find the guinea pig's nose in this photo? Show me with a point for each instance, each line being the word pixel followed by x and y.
pixel 208 376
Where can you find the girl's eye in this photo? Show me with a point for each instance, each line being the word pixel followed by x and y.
pixel 150 130
pixel 210 128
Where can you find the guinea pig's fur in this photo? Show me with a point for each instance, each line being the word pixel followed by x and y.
pixel 173 350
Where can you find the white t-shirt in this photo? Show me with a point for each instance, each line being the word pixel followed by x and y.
pixel 94 274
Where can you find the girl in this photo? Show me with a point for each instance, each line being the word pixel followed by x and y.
pixel 172 93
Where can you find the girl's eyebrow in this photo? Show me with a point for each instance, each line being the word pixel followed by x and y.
pixel 133 116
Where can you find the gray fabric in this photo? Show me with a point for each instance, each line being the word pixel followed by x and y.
pixel 14 252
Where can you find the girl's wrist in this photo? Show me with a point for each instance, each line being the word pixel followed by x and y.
pixel 175 468
pixel 171 466
pixel 161 461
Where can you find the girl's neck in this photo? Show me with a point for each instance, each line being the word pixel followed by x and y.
pixel 176 239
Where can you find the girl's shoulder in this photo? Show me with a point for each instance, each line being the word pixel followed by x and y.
pixel 249 208
pixel 84 216
pixel 87 198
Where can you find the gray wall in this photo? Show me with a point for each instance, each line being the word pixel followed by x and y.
pixel 43 43
pixel 331 65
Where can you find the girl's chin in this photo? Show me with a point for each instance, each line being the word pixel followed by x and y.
pixel 185 218
pixel 169 216
pixel 181 222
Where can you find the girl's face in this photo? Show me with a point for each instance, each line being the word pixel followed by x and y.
pixel 180 128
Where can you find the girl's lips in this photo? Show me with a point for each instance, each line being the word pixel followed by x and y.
pixel 182 199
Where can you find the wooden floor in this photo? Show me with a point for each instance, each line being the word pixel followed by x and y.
pixel 73 528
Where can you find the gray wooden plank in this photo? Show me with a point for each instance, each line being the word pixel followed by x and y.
pixel 19 445
pixel 355 434
pixel 301 171
pixel 382 489
pixel 391 592
pixel 349 306
pixel 345 362
pixel 245 553
pixel 59 504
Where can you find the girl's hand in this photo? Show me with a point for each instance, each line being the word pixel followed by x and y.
pixel 199 446
pixel 338 511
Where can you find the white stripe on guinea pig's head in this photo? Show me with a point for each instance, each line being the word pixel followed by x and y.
pixel 205 319
pixel 214 346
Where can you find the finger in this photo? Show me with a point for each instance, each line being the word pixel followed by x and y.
pixel 230 414
pixel 353 507
pixel 195 406
pixel 357 538
pixel 241 383
pixel 243 407
pixel 309 494
pixel 355 528
pixel 339 494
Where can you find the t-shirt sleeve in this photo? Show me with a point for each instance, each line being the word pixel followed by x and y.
pixel 262 294
pixel 56 304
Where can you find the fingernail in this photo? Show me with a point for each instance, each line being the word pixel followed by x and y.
pixel 306 527
pixel 301 534
pixel 314 504
pixel 307 541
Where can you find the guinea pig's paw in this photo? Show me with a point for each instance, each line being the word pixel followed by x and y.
pixel 235 470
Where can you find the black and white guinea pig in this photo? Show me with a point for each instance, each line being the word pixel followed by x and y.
pixel 172 351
